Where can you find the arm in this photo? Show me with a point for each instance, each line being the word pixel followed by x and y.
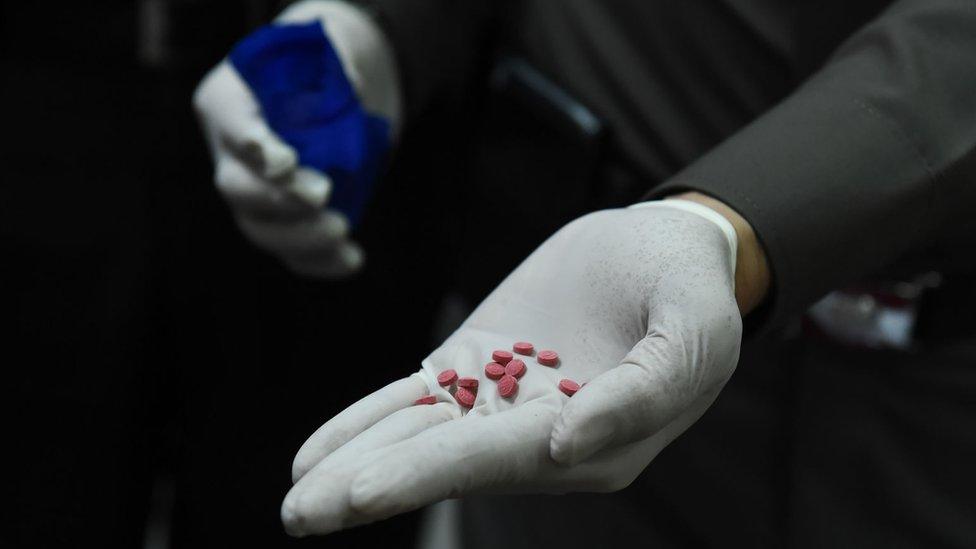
pixel 870 159
pixel 861 165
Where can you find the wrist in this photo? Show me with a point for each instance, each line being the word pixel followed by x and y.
pixel 752 277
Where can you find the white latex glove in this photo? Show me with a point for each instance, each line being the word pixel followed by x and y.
pixel 640 305
pixel 279 205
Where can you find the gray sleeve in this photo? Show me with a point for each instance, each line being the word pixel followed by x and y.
pixel 870 160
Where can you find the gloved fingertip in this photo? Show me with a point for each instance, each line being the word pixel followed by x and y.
pixel 292 517
pixel 353 256
pixel 277 158
pixel 560 450
pixel 563 444
pixel 300 466
pixel 575 438
pixel 336 225
pixel 310 188
pixel 369 491
pixel 575 449
pixel 273 157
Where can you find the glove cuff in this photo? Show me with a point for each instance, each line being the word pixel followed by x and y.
pixel 703 211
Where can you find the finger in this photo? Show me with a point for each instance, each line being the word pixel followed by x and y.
pixel 345 260
pixel 260 147
pixel 310 235
pixel 454 459
pixel 233 118
pixel 654 383
pixel 613 468
pixel 311 186
pixel 247 192
pixel 301 510
pixel 355 419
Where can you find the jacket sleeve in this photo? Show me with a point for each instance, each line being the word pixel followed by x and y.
pixel 441 46
pixel 870 160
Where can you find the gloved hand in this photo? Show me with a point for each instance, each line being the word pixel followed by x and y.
pixel 639 303
pixel 301 115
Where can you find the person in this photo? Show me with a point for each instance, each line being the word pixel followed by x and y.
pixel 772 152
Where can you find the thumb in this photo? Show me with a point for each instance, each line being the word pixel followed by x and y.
pixel 655 382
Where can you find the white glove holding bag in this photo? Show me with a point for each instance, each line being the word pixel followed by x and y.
pixel 640 305
pixel 278 204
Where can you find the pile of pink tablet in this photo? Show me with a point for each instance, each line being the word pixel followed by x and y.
pixel 504 369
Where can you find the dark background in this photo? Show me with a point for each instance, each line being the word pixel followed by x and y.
pixel 155 359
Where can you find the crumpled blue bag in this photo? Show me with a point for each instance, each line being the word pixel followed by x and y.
pixel 306 98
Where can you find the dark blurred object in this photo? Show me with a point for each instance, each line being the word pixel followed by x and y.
pixel 538 150
pixel 156 343
pixel 947 313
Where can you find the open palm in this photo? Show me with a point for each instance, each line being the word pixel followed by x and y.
pixel 640 306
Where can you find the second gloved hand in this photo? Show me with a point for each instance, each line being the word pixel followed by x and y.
pixel 299 120
pixel 640 305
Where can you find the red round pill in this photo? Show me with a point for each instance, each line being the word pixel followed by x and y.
pixel 501 357
pixel 523 348
pixel 548 358
pixel 447 377
pixel 507 386
pixel 464 397
pixel 515 368
pixel 494 370
pixel 468 383
pixel 569 387
pixel 429 399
